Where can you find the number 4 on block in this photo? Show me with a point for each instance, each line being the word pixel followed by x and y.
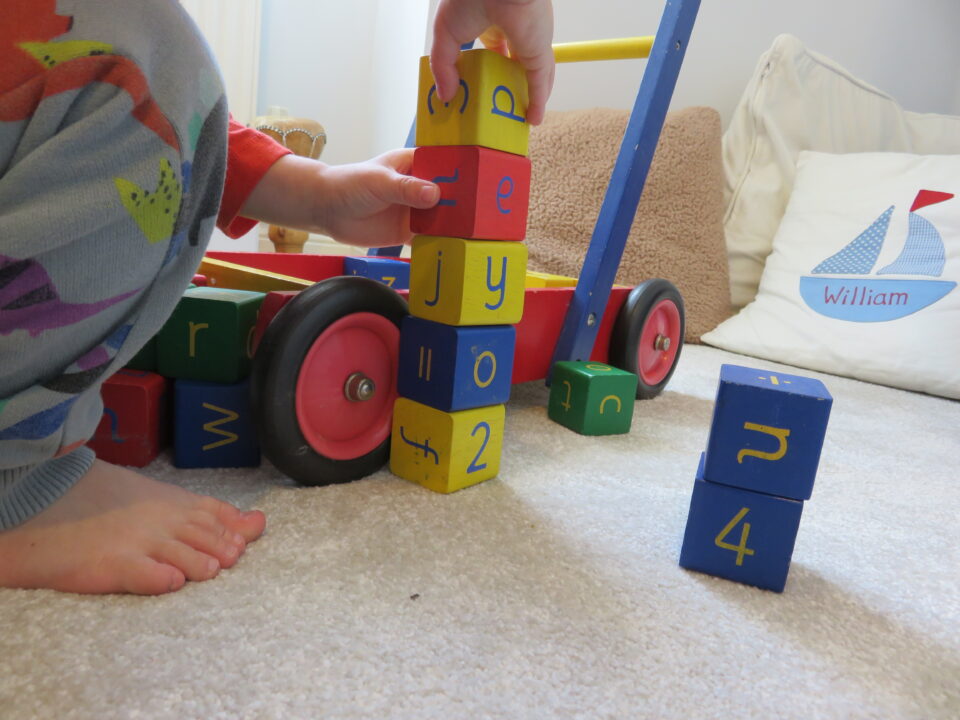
pixel 740 535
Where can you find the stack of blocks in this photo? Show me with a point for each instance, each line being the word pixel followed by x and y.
pixel 467 275
pixel 759 467
pixel 205 351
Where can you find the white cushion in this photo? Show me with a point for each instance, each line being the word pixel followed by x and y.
pixel 799 100
pixel 862 279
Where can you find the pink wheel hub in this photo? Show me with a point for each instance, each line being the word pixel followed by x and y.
pixel 659 342
pixel 336 422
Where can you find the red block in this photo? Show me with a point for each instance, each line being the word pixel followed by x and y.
pixel 271 305
pixel 133 429
pixel 484 194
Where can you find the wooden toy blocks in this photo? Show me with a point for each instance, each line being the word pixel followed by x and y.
pixel 592 398
pixel 133 429
pixel 484 194
pixel 455 368
pixel 767 432
pixel 740 535
pixel 489 108
pixel 467 282
pixel 443 451
pixel 392 273
pixel 213 425
pixel 209 336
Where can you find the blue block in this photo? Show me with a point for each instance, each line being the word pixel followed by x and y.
pixel 213 425
pixel 767 431
pixel 455 368
pixel 394 273
pixel 740 535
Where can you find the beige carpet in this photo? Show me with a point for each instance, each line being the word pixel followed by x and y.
pixel 551 592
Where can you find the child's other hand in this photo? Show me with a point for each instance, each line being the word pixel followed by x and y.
pixel 524 27
pixel 368 203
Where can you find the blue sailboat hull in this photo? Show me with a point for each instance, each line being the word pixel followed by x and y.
pixel 870 300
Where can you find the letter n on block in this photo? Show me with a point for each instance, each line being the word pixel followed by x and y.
pixel 740 535
pixel 443 451
pixel 592 398
pixel 767 431
pixel 489 109
pixel 213 425
pixel 467 282
pixel 455 368
pixel 484 194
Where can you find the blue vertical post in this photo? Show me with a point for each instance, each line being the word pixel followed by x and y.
pixel 619 206
pixel 395 250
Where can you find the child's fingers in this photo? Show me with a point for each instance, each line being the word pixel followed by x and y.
pixel 414 192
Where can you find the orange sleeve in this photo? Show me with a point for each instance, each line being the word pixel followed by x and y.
pixel 250 153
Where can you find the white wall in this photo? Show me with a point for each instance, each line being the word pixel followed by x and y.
pixel 349 65
pixel 909 50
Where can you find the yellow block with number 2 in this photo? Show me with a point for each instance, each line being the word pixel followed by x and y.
pixel 445 451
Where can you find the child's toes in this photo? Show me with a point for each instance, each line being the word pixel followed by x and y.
pixel 142 575
pixel 214 539
pixel 194 564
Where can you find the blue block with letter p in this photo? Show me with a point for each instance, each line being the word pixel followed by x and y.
pixel 455 367
pixel 767 432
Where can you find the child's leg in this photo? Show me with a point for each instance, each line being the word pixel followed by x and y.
pixel 112 155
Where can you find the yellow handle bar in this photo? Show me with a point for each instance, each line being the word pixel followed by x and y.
pixel 619 49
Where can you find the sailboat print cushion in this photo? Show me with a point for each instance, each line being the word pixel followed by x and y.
pixel 862 280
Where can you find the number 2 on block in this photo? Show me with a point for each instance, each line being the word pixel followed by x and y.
pixel 483 446
pixel 742 548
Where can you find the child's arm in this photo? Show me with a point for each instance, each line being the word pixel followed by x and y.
pixel 523 26
pixel 366 204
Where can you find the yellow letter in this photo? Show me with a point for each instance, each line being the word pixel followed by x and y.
pixel 194 329
pixel 779 433
pixel 610 397
pixel 211 427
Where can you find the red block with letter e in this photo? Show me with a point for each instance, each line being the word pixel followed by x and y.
pixel 484 193
pixel 133 429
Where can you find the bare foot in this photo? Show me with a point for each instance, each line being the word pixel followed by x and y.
pixel 118 531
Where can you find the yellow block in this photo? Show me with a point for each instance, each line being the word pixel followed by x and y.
pixel 230 275
pixel 541 279
pixel 489 109
pixel 442 451
pixel 467 282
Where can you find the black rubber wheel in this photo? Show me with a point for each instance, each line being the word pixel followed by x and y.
pixel 648 335
pixel 316 419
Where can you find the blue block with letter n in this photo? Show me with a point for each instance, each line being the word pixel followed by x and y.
pixel 213 425
pixel 455 367
pixel 767 431
pixel 740 535
pixel 394 273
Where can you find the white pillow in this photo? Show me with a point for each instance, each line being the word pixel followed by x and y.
pixel 799 100
pixel 862 279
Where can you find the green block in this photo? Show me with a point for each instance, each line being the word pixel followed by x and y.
pixel 592 398
pixel 146 359
pixel 210 335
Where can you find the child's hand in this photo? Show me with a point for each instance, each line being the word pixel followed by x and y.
pixel 525 27
pixel 366 204
pixel 369 203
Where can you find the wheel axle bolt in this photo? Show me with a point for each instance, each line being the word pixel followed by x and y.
pixel 359 387
pixel 661 343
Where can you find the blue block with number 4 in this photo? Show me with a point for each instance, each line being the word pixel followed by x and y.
pixel 740 535
pixel 213 425
pixel 767 431
pixel 455 368
pixel 394 273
